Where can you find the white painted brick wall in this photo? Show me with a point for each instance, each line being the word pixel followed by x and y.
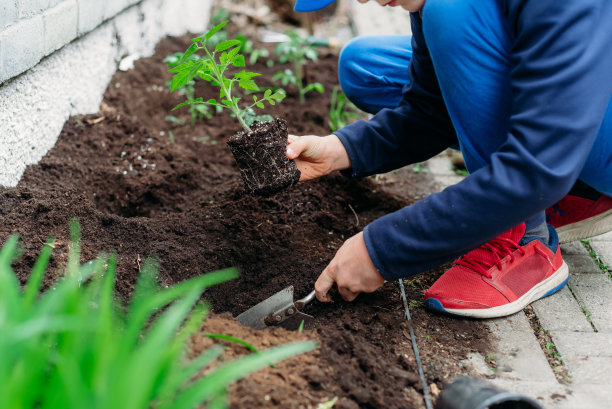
pixel 8 13
pixel 60 24
pixel 35 104
pixel 31 8
pixel 52 24
pixel 22 46
pixel 91 14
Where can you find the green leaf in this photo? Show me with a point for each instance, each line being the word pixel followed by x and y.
pixel 248 85
pixel 238 61
pixel 260 105
pixel 278 95
pixel 214 30
pixel 192 102
pixel 232 339
pixel 245 75
pixel 267 93
pixel 227 102
pixel 192 49
pixel 197 39
pixel 33 286
pixel 179 80
pixel 224 45
pixel 205 76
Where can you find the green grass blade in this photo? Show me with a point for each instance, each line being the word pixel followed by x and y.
pixel 38 271
pixel 74 252
pixel 232 339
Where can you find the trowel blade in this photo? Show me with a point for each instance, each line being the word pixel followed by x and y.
pixel 294 322
pixel 254 317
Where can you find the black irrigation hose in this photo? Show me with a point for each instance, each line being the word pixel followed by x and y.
pixel 415 348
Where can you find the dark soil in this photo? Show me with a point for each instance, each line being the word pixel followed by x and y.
pixel 142 186
pixel 260 157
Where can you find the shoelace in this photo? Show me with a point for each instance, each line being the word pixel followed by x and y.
pixel 500 247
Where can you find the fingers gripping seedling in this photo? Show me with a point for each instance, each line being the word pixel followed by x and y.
pixel 212 66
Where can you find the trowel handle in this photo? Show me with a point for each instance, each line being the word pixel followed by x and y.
pixel 300 304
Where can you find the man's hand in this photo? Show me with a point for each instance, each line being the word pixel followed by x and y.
pixel 317 156
pixel 352 270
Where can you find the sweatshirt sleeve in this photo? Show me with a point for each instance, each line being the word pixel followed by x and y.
pixel 417 129
pixel 562 84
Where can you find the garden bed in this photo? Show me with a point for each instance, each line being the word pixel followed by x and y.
pixel 143 186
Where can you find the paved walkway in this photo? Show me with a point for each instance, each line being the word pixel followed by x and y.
pixel 578 318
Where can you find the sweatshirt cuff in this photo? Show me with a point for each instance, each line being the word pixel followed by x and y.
pixel 349 136
pixel 372 247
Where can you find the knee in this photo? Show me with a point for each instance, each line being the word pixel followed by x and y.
pixel 444 20
pixel 353 64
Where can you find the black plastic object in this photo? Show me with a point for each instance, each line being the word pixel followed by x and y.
pixel 473 393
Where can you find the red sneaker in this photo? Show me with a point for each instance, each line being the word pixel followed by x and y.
pixel 577 218
pixel 500 277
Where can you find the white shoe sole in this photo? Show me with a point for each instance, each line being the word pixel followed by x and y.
pixel 549 286
pixel 593 226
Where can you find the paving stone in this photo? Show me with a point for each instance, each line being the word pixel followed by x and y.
pixel 60 24
pixel 586 396
pixel 602 237
pixel 581 263
pixel 594 344
pixel 594 292
pixel 604 249
pixel 573 248
pixel 561 312
pixel 518 351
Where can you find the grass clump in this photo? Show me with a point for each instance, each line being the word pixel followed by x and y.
pixel 75 346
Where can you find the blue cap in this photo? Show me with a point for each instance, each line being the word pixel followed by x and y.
pixel 311 5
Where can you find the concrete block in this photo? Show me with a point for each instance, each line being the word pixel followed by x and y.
pixel 31 8
pixel 22 47
pixel 594 292
pixel 577 344
pixel 603 237
pixel 589 369
pixel 91 15
pixel 604 250
pixel 8 13
pixel 561 312
pixel 573 248
pixel 114 7
pixel 518 352
pixel 60 25
pixel 53 3
pixel 581 264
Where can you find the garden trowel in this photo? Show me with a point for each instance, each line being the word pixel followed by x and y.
pixel 279 310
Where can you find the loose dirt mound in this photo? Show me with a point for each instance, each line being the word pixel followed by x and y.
pixel 144 186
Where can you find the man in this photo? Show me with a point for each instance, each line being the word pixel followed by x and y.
pixel 523 87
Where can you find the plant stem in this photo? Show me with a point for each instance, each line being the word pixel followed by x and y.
pixel 297 65
pixel 227 92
